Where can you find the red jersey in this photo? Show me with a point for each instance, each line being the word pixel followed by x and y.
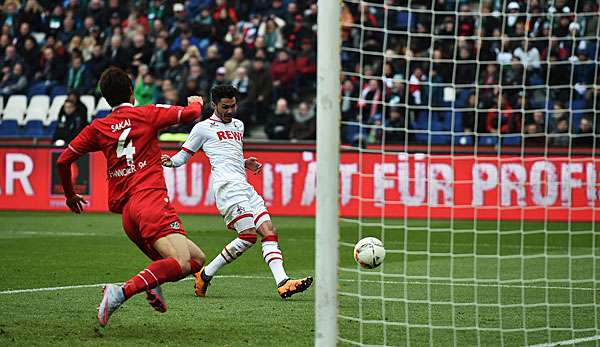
pixel 128 138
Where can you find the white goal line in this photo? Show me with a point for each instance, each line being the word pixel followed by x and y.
pixel 97 285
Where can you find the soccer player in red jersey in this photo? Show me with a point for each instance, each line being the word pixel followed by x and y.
pixel 128 139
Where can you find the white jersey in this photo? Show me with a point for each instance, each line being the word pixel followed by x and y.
pixel 223 145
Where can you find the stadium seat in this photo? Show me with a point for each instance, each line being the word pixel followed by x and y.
pixel 35 128
pixel 103 109
pixel 1 106
pixel 15 109
pixel 58 90
pixel 51 128
pixel 38 88
pixel 511 140
pixel 57 104
pixel 9 128
pixel 488 140
pixel 90 102
pixel 38 108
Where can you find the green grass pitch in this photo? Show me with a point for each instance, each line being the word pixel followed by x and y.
pixel 501 281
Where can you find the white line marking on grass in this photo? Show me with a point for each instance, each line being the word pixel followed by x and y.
pixel 569 342
pixel 98 285
pixel 43 233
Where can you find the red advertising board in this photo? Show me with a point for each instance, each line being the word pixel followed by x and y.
pixel 556 188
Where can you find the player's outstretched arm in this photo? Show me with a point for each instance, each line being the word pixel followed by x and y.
pixel 175 161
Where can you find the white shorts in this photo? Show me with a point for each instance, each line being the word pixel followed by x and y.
pixel 240 205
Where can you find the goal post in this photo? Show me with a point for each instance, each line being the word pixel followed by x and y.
pixel 328 144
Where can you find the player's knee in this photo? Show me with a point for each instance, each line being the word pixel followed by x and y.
pixel 268 229
pixel 184 262
pixel 199 258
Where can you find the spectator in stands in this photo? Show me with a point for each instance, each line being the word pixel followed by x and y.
pixel 67 31
pixel 30 55
pixel 158 60
pixel 118 55
pixel 9 59
pixel 283 73
pixel 561 137
pixel 145 90
pixel 176 72
pixel 53 69
pixel 306 63
pixel 14 82
pixel 220 77
pixel 32 14
pixel 212 62
pixel 270 30
pixel 534 136
pixel 236 60
pixel 395 126
pixel 97 64
pixel 70 122
pixel 141 50
pixel 280 122
pixel 305 123
pixel 78 78
pixel 504 121
pixel 585 134
pixel 260 88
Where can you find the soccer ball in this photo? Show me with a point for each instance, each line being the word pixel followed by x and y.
pixel 369 252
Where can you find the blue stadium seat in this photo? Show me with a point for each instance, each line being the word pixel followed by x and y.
pixel 463 140
pixel 58 90
pixel 35 128
pixel 9 128
pixel 458 126
pixel 512 140
pixel 37 88
pixel 102 113
pixel 51 128
pixel 488 140
pixel 578 104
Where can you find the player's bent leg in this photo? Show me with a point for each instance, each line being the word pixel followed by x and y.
pixel 197 257
pixel 272 255
pixel 230 252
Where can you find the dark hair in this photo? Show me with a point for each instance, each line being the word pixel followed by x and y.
pixel 224 91
pixel 115 86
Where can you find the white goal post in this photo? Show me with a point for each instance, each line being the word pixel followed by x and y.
pixel 328 144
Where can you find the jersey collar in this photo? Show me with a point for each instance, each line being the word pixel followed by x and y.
pixel 125 104
pixel 216 119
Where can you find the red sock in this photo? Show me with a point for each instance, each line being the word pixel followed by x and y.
pixel 158 272
pixel 194 266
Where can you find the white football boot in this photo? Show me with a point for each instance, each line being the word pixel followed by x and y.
pixel 112 299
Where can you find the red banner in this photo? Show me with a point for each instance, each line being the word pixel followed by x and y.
pixel 371 185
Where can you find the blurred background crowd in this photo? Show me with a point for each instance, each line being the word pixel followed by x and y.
pixel 431 71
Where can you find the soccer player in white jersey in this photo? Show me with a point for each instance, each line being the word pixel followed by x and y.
pixel 221 139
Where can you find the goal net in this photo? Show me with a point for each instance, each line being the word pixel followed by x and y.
pixel 469 148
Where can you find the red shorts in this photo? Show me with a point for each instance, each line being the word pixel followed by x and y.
pixel 148 216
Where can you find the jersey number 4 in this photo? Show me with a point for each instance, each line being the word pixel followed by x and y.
pixel 123 150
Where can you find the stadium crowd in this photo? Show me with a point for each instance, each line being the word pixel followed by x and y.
pixel 525 70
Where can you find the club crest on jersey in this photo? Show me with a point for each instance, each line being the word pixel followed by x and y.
pixel 240 210
pixel 237 124
pixel 175 225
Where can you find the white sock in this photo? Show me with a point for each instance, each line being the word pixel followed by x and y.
pixel 274 259
pixel 229 253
